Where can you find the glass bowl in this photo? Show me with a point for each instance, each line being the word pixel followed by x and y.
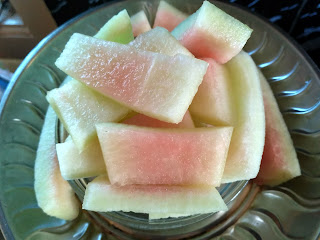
pixel 287 211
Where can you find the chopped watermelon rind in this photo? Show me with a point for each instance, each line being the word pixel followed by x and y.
pixel 140 23
pixel 246 147
pixel 117 29
pixel 54 194
pixel 168 16
pixel 147 75
pixel 76 106
pixel 103 197
pixel 210 32
pixel 74 165
pixel 213 102
pixel 141 155
pixel 279 161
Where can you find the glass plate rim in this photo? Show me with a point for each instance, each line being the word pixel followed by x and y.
pixel 42 44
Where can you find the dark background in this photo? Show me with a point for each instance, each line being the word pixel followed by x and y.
pixel 299 18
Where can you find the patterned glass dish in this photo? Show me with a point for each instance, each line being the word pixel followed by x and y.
pixel 289 211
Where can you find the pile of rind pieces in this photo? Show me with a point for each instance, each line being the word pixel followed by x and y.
pixel 162 119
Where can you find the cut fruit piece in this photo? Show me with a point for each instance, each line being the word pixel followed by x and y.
pixel 79 108
pixel 145 121
pixel 161 41
pixel 73 164
pixel 213 101
pixel 247 141
pixel 140 23
pixel 212 33
pixel 140 155
pixel 102 197
pixel 154 84
pixel 168 16
pixel 279 161
pixel 54 194
pixel 117 29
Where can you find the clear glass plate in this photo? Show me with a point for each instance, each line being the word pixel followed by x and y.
pixel 284 212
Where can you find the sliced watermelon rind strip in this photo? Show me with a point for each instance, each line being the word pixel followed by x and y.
pixel 103 197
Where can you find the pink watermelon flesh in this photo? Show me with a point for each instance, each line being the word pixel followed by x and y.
pixel 161 41
pixel 168 16
pixel 140 23
pixel 154 84
pixel 212 33
pixel 103 197
pixel 213 101
pixel 279 161
pixel 140 155
pixel 145 121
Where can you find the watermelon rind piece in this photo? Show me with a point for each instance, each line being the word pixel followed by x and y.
pixel 102 197
pixel 117 29
pixel 74 165
pixel 279 161
pixel 140 23
pixel 168 16
pixel 54 194
pixel 213 103
pixel 212 33
pixel 153 84
pixel 142 155
pixel 79 108
pixel 246 147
